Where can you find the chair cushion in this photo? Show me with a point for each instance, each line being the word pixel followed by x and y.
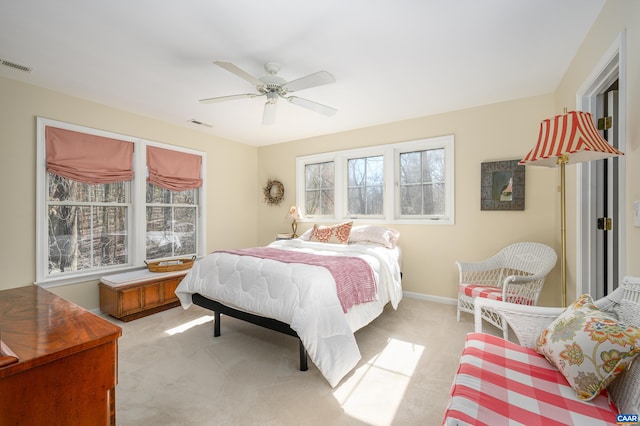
pixel 588 346
pixel 475 290
pixel 490 292
pixel 500 382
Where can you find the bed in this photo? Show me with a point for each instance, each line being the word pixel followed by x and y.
pixel 298 297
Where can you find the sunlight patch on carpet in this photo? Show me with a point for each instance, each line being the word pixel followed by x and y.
pixel 187 325
pixel 375 390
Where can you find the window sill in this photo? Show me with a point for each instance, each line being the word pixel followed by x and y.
pixel 82 278
pixel 363 221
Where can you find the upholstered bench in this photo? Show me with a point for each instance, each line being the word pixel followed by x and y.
pixel 499 382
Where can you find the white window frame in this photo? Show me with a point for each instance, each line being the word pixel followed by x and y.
pixel 136 213
pixel 363 153
pixel 391 154
pixel 301 180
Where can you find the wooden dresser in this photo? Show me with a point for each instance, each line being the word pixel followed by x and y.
pixel 67 361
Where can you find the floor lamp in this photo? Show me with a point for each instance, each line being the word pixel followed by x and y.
pixel 570 138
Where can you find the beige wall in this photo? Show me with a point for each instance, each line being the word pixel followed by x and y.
pixel 503 131
pixel 616 17
pixel 231 174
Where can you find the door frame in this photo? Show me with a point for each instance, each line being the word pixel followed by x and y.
pixel 612 66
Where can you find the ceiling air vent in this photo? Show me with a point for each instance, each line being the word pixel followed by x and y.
pixel 14 65
pixel 199 123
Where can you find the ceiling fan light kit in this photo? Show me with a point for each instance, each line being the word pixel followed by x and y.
pixel 274 87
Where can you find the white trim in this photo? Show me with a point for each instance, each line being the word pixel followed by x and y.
pixel 430 298
pixel 137 204
pixel 612 65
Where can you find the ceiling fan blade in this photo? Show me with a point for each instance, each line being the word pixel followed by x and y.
pixel 239 72
pixel 313 106
pixel 229 98
pixel 269 115
pixel 312 80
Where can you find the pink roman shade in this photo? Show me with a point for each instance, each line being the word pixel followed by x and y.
pixel 174 170
pixel 88 158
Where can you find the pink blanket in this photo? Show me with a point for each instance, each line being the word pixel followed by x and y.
pixel 353 276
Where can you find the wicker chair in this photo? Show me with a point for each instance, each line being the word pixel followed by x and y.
pixel 516 274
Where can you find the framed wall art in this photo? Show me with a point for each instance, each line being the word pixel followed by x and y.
pixel 502 185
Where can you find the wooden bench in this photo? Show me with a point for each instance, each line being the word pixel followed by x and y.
pixel 136 294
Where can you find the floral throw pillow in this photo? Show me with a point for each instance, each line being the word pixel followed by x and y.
pixel 337 234
pixel 588 346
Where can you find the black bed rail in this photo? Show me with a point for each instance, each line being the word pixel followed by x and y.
pixel 269 323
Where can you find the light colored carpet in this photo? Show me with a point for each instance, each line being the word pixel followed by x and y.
pixel 172 371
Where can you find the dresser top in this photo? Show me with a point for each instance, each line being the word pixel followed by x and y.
pixel 39 326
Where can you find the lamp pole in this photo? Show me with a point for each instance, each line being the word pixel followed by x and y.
pixel 562 161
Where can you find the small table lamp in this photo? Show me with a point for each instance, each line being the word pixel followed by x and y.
pixel 294 214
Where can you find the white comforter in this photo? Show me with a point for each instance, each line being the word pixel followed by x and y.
pixel 300 295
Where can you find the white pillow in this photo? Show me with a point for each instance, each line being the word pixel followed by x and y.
pixel 374 234
pixel 306 235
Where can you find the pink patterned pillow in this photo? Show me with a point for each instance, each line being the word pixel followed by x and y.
pixel 336 234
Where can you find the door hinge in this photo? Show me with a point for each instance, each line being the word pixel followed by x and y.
pixel 605 123
pixel 605 223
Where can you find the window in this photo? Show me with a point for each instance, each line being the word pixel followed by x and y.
pixel 319 188
pixel 89 225
pixel 408 182
pixel 365 187
pixel 422 184
pixel 171 222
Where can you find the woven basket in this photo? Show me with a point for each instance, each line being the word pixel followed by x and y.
pixel 170 265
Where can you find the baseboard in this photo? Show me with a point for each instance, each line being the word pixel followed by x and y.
pixel 430 298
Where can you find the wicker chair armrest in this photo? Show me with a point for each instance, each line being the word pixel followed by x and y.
pixel 522 279
pixel 526 321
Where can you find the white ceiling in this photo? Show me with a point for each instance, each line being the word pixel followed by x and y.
pixel 392 60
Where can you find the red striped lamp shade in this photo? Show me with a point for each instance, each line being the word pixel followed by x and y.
pixel 572 134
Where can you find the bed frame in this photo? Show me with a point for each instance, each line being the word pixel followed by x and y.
pixel 270 323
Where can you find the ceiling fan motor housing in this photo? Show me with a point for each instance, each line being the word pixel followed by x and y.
pixel 272 82
pixel 272 97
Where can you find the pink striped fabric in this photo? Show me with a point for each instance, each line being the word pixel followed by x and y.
pixel 354 278
pixel 494 293
pixel 475 290
pixel 573 133
pixel 502 383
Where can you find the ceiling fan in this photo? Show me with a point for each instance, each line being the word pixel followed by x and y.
pixel 274 87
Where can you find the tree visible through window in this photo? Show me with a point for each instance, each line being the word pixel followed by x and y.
pixel 365 190
pixel 171 222
pixel 319 188
pixel 422 184
pixel 87 224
